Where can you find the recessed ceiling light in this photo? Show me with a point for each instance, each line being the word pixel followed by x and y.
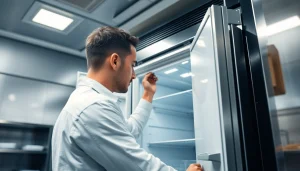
pixel 171 71
pixel 184 62
pixel 283 25
pixel 188 74
pixel 52 19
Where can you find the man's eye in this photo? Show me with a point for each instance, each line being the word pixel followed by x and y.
pixel 134 64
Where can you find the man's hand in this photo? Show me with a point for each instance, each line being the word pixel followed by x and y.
pixel 195 167
pixel 149 83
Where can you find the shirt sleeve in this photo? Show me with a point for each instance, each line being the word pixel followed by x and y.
pixel 138 119
pixel 101 133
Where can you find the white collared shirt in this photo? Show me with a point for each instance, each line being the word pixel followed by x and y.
pixel 91 133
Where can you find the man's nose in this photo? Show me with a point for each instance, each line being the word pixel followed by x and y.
pixel 133 75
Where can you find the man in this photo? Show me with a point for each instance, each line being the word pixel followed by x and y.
pixel 91 132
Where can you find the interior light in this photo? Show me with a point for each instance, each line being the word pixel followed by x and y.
pixel 52 19
pixel 171 71
pixel 283 25
pixel 184 62
pixel 188 74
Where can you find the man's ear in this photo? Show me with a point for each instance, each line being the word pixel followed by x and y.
pixel 115 61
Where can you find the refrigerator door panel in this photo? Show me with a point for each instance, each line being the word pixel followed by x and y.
pixel 211 80
pixel 206 98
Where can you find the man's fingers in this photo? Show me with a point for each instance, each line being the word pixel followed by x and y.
pixel 199 167
pixel 197 164
pixel 148 75
pixel 151 77
pixel 155 78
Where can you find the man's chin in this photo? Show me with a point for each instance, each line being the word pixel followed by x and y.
pixel 123 91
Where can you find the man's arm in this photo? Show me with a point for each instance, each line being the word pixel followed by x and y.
pixel 102 134
pixel 138 119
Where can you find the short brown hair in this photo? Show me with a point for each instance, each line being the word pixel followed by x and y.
pixel 105 41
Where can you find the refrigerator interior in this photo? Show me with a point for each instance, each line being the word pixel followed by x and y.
pixel 178 132
pixel 169 133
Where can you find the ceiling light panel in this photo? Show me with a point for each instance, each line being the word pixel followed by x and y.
pixel 52 19
pixel 48 17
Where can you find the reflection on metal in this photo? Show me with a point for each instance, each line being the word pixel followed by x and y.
pixel 12 97
pixel 282 26
pixel 201 43
pixel 204 81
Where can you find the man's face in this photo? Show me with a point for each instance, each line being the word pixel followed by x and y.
pixel 126 73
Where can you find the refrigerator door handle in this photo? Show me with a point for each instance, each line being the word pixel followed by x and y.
pixel 216 157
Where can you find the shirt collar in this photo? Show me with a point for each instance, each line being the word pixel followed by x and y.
pixel 98 87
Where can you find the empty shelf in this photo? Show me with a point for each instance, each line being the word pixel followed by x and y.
pixel 187 143
pixel 14 151
pixel 182 99
pixel 4 123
